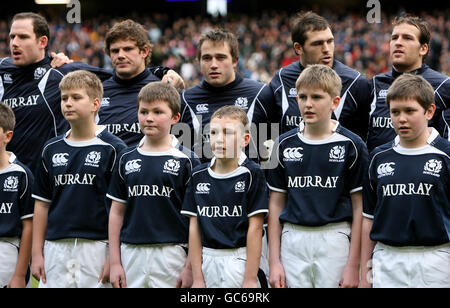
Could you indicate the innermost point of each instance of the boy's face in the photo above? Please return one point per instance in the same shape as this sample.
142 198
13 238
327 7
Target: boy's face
406 52
227 137
318 48
316 105
410 119
77 105
127 59
217 64
156 118
25 47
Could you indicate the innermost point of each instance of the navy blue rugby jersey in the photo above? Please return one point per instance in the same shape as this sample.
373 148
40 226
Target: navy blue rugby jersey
200 102
16 203
381 129
318 176
33 93
119 106
407 193
152 185
223 203
74 178
353 110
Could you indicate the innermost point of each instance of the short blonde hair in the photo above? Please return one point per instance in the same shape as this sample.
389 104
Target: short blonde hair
7 118
233 112
321 77
83 80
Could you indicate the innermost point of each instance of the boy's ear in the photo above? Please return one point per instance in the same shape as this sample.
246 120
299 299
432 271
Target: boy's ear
9 135
97 104
176 118
336 102
429 113
246 139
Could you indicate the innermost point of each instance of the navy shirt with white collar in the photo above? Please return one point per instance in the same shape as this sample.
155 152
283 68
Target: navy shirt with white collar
318 176
223 203
16 203
73 178
152 185
407 193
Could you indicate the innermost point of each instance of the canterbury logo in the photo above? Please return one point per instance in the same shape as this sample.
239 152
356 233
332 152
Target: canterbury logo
383 94
293 154
60 159
293 92
203 188
202 108
385 169
133 166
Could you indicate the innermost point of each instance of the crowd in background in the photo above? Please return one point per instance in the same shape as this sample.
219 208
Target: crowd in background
265 41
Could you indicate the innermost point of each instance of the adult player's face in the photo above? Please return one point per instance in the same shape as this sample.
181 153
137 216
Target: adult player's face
227 137
156 118
216 63
127 59
25 47
410 121
316 105
77 106
318 48
406 52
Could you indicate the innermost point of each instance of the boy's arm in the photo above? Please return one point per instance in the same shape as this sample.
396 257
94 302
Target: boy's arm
195 252
367 247
350 276
254 246
277 202
23 260
40 219
117 276
185 279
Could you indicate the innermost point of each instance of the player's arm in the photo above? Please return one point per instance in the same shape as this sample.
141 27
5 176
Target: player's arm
185 280
40 219
174 79
254 246
277 202
350 276
18 279
195 253
117 274
367 247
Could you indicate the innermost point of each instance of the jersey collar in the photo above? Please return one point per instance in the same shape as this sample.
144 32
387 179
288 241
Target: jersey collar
418 71
434 134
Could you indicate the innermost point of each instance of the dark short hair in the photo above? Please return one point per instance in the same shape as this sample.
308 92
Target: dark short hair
129 30
7 118
161 91
421 24
409 86
304 22
220 35
40 25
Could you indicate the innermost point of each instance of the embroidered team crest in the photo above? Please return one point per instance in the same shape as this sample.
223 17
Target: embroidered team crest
242 102
133 166
386 169
337 154
172 166
240 186
39 72
11 184
60 159
433 167
93 159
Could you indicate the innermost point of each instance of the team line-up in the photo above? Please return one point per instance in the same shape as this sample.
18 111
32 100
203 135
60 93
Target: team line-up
318 179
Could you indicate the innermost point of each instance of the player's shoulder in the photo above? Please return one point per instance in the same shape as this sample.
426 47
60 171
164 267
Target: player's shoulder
200 169
289 135
347 73
6 64
436 79
105 136
441 144
382 150
346 133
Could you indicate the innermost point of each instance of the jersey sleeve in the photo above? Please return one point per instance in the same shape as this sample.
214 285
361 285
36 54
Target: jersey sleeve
358 167
369 192
42 188
361 93
188 208
258 195
26 201
276 177
117 190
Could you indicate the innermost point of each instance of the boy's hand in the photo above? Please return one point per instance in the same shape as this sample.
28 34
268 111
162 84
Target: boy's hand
277 277
185 280
117 276
200 284
17 282
250 284
38 268
104 275
350 277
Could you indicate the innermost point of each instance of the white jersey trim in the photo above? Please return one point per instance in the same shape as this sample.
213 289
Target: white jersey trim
41 198
116 199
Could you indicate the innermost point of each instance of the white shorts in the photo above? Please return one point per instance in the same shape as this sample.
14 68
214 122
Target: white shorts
153 266
74 263
411 267
315 257
9 252
225 268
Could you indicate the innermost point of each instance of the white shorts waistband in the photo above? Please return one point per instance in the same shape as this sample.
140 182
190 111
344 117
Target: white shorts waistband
235 252
329 227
